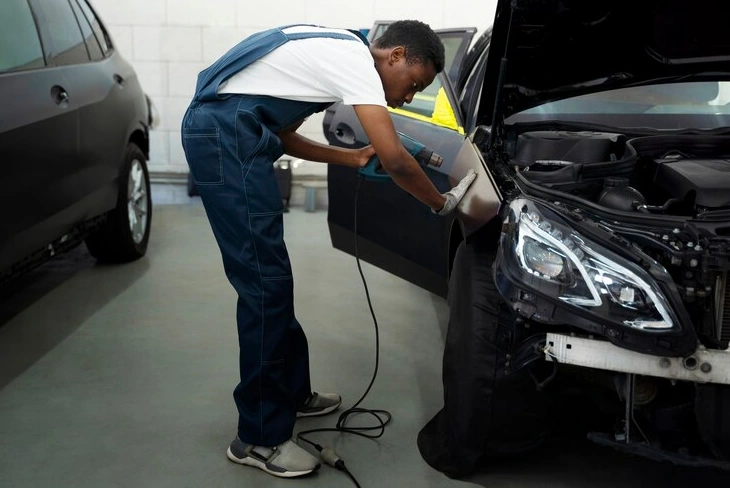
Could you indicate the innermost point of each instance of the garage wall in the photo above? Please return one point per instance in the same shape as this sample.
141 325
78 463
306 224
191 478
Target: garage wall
170 41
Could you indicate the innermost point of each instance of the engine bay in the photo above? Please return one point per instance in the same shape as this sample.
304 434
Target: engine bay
668 175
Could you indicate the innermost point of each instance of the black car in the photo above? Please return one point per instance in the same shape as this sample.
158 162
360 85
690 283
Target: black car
597 234
74 138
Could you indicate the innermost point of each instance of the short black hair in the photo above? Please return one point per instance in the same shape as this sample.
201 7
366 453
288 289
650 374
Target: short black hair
420 41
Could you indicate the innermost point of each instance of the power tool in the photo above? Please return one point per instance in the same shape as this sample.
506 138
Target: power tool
373 170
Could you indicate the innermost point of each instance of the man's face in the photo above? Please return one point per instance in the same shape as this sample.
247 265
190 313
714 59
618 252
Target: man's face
401 81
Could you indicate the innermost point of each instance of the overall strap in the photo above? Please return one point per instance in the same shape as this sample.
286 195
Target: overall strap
331 35
250 50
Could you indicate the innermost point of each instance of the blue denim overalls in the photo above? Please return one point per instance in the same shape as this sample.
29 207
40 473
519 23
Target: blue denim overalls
231 143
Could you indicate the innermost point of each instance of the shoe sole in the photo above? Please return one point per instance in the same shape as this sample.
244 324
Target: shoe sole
324 411
249 461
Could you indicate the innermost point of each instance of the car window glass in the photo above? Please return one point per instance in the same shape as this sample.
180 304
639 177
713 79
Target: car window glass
20 47
452 44
432 106
470 97
378 31
689 98
689 105
91 42
60 32
101 35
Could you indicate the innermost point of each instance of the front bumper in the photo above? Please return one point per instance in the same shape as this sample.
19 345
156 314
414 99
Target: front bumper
703 366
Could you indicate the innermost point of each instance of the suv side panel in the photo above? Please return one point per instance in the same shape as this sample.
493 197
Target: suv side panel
108 86
66 122
38 137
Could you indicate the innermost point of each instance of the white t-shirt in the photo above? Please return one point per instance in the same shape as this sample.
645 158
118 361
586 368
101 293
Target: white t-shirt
317 69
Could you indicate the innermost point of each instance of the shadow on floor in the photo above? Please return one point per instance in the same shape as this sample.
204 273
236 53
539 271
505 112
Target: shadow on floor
40 309
576 463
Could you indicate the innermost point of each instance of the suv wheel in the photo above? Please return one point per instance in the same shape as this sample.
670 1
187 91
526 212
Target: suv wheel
124 235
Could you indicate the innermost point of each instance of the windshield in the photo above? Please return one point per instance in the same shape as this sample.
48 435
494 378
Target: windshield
698 105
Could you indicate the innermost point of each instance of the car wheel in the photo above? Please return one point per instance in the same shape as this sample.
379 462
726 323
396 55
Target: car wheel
488 338
488 408
124 235
192 187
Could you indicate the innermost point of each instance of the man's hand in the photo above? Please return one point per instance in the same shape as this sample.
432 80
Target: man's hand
454 196
363 155
396 161
298 146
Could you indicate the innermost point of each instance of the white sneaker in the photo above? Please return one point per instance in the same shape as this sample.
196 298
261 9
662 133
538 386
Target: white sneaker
286 460
319 404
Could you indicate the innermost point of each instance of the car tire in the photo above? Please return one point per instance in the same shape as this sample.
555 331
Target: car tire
488 409
192 187
124 235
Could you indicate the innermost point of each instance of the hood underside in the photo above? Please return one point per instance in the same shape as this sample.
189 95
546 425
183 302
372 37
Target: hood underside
547 50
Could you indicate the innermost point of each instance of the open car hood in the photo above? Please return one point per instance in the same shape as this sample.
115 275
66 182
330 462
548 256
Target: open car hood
547 50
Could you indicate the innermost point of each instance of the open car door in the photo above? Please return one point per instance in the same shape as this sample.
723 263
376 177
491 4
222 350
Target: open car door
395 231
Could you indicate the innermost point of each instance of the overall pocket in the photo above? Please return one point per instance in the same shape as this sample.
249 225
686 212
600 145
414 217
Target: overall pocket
202 148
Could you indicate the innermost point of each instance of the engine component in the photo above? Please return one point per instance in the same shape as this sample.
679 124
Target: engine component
703 182
563 159
645 390
568 147
617 194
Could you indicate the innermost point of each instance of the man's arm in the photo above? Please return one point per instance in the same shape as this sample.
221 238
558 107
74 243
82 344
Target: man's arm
301 147
399 164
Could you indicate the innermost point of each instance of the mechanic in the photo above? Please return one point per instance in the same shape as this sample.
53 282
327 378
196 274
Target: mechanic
243 117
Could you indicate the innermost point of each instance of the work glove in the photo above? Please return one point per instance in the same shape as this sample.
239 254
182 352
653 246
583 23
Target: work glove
454 196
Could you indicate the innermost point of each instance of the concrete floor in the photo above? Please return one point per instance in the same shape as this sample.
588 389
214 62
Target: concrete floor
121 376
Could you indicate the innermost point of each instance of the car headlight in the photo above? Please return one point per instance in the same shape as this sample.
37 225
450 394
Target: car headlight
584 274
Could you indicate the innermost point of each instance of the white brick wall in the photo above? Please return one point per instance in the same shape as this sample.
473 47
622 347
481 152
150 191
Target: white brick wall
170 41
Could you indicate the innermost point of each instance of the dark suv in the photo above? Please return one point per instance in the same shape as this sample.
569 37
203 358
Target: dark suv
74 138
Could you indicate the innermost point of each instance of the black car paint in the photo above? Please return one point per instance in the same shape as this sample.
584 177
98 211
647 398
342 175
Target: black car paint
392 244
63 133
539 45
421 257
689 417
419 249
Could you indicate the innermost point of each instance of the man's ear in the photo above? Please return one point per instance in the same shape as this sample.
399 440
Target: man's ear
396 54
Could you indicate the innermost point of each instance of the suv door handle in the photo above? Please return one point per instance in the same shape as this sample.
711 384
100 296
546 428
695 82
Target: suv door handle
59 95
118 79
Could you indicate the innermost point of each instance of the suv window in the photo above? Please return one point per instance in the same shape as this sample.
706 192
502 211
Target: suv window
60 32
20 47
101 34
92 44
